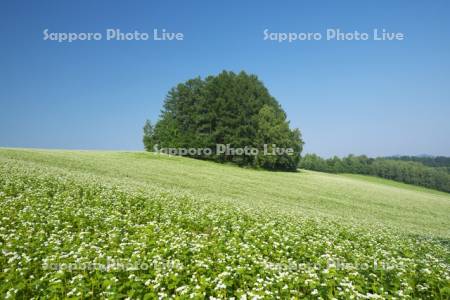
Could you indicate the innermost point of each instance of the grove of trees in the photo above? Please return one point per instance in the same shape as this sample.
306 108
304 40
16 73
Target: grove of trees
229 108
408 169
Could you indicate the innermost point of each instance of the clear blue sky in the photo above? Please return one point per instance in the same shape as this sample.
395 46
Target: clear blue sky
371 97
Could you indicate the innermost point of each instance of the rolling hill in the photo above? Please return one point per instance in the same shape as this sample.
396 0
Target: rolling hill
205 229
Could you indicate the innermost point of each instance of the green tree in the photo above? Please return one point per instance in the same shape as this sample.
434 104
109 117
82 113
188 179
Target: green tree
225 109
273 129
148 136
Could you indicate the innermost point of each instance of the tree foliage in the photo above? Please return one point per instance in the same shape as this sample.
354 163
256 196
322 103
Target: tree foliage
148 133
441 162
229 108
405 170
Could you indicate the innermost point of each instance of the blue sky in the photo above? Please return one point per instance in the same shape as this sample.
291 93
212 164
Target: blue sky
362 97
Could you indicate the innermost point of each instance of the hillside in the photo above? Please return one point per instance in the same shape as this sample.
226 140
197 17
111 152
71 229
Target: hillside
226 231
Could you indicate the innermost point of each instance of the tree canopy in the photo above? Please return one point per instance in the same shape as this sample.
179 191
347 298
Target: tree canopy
230 108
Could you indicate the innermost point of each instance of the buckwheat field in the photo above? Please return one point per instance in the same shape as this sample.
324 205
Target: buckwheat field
116 225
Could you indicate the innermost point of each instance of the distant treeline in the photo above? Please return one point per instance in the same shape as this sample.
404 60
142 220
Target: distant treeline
424 171
441 162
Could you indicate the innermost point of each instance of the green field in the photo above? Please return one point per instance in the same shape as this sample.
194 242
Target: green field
205 229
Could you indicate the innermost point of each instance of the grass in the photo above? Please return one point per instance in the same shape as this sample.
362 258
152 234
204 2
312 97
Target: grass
213 230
